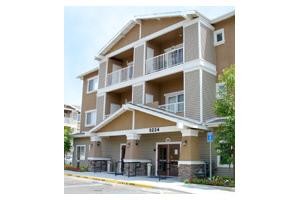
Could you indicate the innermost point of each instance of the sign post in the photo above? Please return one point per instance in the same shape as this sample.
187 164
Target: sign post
210 139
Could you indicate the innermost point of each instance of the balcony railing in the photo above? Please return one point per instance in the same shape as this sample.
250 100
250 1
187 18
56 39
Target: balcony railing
119 76
164 61
173 107
70 121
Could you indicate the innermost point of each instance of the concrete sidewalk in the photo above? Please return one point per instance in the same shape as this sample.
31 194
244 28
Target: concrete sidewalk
148 182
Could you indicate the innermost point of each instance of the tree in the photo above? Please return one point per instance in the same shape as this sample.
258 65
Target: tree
225 107
67 140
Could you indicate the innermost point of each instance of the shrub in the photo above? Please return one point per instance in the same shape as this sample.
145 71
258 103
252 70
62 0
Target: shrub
216 180
70 167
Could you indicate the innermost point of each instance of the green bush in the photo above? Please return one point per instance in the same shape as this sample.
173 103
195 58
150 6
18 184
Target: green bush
216 180
83 169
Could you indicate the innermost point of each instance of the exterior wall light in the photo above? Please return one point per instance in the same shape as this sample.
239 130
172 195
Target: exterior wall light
98 143
184 143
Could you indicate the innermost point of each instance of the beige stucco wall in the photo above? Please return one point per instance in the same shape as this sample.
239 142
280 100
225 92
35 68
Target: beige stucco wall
88 101
225 53
188 152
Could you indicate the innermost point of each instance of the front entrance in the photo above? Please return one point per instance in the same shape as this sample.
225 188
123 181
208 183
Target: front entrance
122 156
167 159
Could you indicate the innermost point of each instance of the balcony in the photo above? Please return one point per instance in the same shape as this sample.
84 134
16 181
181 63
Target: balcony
120 75
177 107
164 61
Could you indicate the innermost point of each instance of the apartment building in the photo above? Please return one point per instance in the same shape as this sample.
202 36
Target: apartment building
72 117
147 107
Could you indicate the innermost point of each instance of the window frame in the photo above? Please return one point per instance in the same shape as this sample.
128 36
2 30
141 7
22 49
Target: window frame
218 89
88 84
85 118
175 94
216 42
219 160
81 145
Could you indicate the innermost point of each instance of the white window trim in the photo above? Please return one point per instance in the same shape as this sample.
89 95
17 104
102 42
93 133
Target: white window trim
217 89
88 82
77 151
85 118
172 94
222 165
215 37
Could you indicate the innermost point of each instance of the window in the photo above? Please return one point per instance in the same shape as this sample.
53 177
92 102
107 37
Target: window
221 160
175 102
90 118
80 152
92 84
219 37
220 89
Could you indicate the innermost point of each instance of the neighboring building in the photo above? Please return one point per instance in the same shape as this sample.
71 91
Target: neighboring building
150 101
72 117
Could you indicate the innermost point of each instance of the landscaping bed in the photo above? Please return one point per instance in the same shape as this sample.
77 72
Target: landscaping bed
216 180
70 167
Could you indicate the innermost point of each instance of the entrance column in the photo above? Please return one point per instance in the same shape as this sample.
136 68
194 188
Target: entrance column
189 161
94 151
133 161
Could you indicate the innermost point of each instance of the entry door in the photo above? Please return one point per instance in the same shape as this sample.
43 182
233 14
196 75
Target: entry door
123 149
167 159
173 159
162 161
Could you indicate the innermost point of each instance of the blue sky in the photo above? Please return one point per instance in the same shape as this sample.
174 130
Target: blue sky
88 29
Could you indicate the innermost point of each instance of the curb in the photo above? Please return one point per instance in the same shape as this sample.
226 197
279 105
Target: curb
114 181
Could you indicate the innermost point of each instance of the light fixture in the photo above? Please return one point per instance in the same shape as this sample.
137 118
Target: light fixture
98 143
184 143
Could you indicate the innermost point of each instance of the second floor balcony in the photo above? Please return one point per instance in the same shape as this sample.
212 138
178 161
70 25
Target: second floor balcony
120 75
164 61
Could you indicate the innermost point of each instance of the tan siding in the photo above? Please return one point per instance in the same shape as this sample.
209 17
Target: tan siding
130 37
138 68
143 120
209 95
191 42
88 101
123 122
192 94
137 94
207 44
150 26
225 53
101 76
81 141
100 107
110 146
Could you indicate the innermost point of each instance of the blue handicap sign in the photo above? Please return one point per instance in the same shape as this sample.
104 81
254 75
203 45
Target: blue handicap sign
210 136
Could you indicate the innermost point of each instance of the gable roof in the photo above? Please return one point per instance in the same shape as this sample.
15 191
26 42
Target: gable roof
181 121
136 20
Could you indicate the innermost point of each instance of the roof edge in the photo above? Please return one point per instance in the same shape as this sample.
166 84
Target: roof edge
223 17
80 76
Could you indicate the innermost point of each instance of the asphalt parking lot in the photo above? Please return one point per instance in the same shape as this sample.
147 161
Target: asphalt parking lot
75 185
